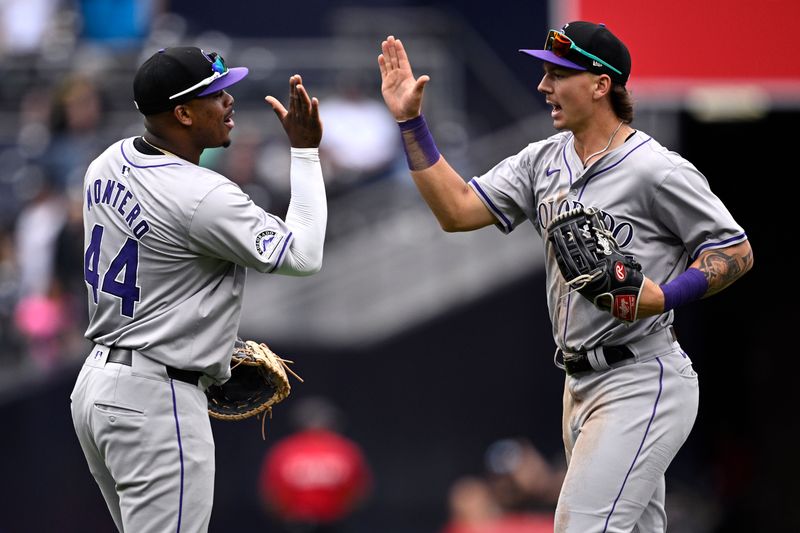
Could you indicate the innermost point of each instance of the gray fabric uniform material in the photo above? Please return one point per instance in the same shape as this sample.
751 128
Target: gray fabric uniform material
619 450
623 423
659 207
199 232
147 440
168 244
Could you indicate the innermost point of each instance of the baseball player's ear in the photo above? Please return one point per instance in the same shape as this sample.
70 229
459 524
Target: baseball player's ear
183 114
602 86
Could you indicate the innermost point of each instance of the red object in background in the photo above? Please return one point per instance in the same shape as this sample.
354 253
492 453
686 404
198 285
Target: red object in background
678 45
315 476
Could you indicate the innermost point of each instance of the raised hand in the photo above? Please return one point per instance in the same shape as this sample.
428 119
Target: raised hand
401 91
301 121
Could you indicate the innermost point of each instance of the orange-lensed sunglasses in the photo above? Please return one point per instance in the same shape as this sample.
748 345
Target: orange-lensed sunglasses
558 43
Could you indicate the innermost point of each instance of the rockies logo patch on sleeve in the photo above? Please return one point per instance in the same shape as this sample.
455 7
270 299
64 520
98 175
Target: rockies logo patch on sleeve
266 242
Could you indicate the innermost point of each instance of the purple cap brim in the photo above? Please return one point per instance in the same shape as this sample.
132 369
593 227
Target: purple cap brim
550 57
235 74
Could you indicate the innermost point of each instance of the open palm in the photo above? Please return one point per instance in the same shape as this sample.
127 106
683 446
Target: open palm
401 91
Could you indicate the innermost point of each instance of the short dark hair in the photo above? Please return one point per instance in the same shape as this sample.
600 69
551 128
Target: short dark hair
621 102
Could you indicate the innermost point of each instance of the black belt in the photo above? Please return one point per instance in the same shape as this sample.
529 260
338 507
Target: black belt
125 357
612 354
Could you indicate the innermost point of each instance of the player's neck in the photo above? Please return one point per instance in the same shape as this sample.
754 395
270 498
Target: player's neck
594 142
168 148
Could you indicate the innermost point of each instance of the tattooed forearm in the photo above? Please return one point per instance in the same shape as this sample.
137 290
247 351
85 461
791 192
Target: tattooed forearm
723 267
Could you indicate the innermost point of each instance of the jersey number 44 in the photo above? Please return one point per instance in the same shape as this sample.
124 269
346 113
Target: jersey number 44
124 265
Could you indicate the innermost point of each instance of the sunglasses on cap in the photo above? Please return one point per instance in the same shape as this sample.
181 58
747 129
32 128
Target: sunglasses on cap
558 43
218 69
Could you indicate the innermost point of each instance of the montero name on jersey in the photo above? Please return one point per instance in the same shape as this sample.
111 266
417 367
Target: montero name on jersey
115 194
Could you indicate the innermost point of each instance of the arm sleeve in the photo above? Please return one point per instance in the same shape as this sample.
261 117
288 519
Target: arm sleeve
227 224
307 215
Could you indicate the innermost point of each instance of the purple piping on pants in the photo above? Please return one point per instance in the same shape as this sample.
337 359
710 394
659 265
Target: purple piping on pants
646 431
180 450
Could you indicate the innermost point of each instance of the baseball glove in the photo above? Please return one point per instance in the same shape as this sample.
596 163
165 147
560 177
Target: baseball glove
592 264
258 381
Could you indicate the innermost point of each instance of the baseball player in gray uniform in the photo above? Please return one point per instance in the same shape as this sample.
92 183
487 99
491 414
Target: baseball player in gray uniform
167 246
630 395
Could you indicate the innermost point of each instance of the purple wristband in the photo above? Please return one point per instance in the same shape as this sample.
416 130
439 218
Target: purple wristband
688 287
421 151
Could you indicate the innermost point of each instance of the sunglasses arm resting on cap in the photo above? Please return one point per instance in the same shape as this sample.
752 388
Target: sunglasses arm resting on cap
560 45
219 68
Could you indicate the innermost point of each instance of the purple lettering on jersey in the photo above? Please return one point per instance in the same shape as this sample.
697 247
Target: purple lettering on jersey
108 192
97 187
135 210
141 228
120 188
125 199
98 194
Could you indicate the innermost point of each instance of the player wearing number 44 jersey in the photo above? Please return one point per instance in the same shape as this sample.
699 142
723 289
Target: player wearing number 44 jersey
167 247
597 189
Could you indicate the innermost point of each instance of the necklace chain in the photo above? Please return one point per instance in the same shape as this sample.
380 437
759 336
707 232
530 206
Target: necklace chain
165 152
610 140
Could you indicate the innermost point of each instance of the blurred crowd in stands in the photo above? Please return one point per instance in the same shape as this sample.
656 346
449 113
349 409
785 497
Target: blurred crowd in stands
516 493
66 68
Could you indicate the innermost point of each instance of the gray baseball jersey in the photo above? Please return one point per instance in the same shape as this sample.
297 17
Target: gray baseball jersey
167 245
658 206
621 428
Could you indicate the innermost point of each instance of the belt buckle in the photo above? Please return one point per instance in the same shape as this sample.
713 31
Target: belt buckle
593 359
571 361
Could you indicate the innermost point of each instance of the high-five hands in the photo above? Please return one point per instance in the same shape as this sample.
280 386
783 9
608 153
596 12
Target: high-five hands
401 91
301 121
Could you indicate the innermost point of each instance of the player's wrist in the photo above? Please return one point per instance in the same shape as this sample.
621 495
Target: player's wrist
651 299
410 121
305 153
420 148
691 285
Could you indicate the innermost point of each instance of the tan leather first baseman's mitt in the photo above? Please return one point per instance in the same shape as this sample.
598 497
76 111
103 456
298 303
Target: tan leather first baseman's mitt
592 264
258 381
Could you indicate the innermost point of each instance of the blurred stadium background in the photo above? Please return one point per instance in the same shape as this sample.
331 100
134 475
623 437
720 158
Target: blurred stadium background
433 346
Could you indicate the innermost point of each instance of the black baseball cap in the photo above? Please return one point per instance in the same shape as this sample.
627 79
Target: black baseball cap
582 45
173 76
